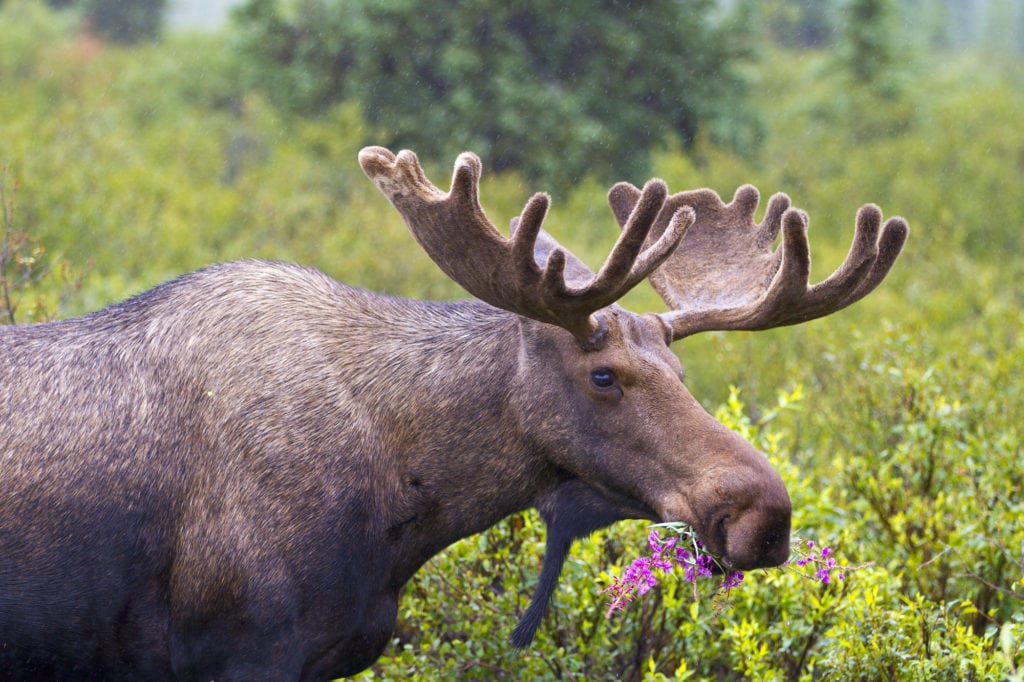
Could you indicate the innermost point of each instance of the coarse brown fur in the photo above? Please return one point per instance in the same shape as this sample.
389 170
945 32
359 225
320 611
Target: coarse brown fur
244 437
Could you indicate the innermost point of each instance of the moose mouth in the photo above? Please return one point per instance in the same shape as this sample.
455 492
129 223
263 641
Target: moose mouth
712 541
740 540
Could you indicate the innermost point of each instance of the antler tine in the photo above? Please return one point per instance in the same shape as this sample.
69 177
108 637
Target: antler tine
724 274
527 273
870 258
451 227
789 299
628 263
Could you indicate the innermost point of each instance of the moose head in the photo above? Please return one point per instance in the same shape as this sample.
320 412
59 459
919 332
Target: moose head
597 388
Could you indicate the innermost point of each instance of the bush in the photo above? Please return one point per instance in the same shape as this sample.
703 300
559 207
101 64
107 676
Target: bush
32 285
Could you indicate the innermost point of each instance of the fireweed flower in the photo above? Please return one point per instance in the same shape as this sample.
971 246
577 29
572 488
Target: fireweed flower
822 561
732 579
683 553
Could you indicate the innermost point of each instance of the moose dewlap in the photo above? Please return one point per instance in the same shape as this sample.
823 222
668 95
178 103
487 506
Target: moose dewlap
232 475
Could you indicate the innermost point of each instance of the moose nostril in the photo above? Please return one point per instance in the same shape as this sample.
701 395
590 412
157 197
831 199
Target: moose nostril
758 537
776 547
718 531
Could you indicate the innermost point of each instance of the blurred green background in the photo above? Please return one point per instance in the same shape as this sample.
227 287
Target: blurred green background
142 139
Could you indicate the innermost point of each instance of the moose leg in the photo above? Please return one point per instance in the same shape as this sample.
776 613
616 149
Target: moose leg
574 510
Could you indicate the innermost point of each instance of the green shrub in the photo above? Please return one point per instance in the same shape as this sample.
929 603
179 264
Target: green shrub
33 286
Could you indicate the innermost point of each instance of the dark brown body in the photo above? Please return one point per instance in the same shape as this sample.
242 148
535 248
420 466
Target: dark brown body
211 481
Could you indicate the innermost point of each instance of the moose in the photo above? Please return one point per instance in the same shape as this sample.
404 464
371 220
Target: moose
232 475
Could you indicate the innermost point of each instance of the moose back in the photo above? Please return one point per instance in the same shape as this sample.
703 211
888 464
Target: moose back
231 476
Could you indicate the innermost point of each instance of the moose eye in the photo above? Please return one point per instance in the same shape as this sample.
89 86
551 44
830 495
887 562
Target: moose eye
602 378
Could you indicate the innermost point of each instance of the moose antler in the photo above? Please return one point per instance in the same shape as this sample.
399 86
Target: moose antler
725 275
455 233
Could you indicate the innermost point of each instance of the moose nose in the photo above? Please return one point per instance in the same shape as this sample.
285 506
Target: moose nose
748 517
758 536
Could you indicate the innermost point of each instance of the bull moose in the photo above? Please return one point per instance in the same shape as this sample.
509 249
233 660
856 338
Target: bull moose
231 476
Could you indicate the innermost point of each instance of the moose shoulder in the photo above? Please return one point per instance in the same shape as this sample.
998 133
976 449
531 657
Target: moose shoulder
232 475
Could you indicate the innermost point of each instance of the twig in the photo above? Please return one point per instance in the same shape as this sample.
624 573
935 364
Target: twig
5 249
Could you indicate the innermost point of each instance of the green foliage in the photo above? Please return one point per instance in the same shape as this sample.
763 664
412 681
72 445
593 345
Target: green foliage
29 29
125 21
298 53
869 47
555 89
801 23
30 284
935 468
122 171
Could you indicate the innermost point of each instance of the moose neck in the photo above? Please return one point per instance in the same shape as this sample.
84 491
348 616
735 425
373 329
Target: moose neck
457 462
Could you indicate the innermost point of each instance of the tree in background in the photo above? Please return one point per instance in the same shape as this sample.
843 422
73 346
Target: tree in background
870 47
873 67
120 21
557 89
126 21
801 23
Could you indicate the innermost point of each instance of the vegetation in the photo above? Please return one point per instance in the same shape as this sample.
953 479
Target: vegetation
570 87
896 424
120 21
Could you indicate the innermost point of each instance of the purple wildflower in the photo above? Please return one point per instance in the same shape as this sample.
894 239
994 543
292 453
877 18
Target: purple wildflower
639 575
685 551
732 579
704 565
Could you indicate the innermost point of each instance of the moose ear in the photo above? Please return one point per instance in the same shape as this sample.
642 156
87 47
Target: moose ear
577 274
574 510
